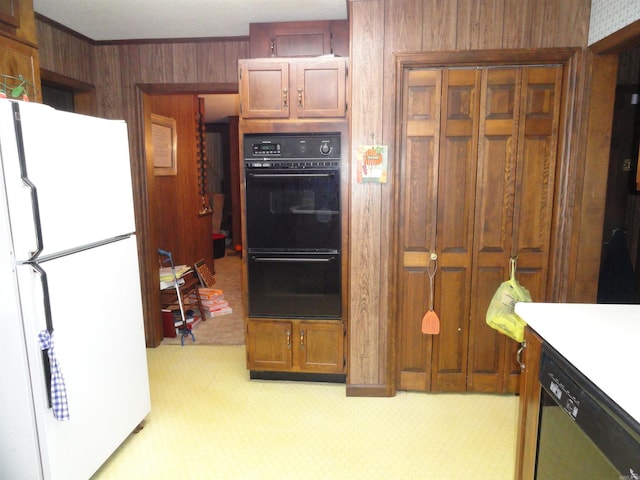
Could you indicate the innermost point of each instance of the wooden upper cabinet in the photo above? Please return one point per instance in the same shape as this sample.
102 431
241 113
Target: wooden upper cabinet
9 15
299 39
19 61
264 89
320 88
294 88
18 52
18 22
302 42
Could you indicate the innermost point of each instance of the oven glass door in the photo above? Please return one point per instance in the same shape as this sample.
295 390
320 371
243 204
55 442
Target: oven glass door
294 285
292 210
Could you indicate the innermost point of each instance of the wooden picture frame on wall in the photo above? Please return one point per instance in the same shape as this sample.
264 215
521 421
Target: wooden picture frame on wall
164 139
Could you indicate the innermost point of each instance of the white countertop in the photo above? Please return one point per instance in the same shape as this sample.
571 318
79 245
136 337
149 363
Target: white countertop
600 340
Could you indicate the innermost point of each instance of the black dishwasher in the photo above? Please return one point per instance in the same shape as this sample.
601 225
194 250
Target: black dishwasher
583 434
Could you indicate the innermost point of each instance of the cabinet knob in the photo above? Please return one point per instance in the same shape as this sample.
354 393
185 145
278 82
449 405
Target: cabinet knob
301 339
289 339
285 98
300 98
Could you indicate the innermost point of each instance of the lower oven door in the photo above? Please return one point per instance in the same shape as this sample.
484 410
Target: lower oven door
294 285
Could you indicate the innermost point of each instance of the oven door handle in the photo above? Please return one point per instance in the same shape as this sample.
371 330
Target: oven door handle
290 175
292 260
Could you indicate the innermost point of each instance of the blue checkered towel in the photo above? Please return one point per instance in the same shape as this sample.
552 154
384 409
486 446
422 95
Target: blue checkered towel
58 388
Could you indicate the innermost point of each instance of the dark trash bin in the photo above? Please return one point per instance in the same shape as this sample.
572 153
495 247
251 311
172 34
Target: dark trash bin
219 241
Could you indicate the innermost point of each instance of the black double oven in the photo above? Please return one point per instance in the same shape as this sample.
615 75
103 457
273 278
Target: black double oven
293 225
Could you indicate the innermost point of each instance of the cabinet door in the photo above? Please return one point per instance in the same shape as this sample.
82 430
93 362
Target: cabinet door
9 15
320 347
264 89
320 89
17 59
300 40
269 345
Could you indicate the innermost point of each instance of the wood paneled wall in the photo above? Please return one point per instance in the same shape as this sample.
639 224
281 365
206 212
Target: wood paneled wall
176 224
64 53
379 29
119 73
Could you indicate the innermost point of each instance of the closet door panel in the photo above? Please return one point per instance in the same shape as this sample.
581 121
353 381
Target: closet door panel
486 346
536 173
493 228
476 185
496 161
450 346
419 205
414 348
456 195
418 200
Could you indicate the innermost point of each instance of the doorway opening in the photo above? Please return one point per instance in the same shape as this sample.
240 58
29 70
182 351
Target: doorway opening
68 94
58 97
619 280
221 136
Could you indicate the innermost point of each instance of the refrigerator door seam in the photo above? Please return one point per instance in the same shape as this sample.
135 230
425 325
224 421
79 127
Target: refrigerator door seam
71 251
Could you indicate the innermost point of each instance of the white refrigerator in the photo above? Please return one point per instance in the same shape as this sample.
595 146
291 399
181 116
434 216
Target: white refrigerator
74 381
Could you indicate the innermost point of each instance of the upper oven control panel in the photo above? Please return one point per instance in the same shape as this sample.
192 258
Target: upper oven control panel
292 146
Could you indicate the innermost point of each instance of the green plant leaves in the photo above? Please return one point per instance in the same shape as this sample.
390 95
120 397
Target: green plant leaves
17 91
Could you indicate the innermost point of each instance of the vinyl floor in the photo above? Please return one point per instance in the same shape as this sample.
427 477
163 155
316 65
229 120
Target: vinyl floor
210 421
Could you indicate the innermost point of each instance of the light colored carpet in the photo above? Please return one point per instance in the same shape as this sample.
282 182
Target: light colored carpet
209 421
227 329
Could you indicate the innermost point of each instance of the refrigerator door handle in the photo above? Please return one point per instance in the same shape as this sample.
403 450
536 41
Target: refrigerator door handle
35 209
49 321
45 294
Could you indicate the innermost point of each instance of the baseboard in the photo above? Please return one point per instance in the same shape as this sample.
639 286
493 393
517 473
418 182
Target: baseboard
297 376
368 391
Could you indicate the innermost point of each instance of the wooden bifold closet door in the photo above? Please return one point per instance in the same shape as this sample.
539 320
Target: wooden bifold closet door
477 168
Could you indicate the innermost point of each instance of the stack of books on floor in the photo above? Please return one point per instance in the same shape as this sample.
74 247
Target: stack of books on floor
172 320
213 302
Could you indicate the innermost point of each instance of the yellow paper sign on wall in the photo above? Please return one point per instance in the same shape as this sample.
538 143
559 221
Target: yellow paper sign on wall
371 162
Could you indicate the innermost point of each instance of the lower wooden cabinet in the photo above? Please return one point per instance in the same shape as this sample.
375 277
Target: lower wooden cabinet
529 411
309 346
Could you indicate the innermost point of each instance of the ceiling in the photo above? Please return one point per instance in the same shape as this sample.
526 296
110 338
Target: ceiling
109 20
104 20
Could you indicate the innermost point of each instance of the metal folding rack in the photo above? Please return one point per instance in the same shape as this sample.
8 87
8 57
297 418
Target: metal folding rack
185 329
